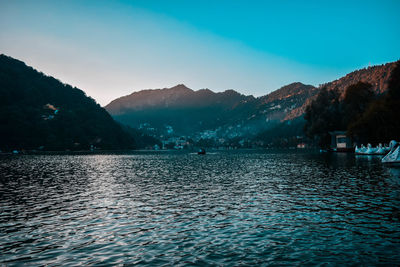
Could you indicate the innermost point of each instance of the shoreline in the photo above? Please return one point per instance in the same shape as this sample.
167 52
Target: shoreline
129 151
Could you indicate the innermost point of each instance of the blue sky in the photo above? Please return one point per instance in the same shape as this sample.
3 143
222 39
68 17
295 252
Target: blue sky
111 48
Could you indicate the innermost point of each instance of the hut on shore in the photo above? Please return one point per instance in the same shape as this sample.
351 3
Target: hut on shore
340 142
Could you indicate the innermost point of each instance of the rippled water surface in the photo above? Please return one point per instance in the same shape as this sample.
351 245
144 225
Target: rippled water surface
226 208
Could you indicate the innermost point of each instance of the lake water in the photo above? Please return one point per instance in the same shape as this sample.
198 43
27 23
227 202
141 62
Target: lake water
225 208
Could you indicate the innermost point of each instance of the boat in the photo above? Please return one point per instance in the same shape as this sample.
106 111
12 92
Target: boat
380 150
201 151
370 150
361 150
387 148
393 157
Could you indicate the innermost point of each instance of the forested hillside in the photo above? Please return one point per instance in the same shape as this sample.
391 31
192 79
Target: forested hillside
40 112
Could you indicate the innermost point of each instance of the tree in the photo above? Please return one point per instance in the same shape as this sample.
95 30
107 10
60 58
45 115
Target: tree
356 100
323 115
39 111
380 122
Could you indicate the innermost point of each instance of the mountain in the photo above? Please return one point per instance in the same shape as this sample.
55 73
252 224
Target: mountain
178 96
277 104
205 114
40 112
189 112
184 109
377 76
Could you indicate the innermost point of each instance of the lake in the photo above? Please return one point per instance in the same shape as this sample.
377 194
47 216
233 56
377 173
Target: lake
224 208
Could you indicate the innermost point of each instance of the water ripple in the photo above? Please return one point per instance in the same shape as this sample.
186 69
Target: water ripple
236 208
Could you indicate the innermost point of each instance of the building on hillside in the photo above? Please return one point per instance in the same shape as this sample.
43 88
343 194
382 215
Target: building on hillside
301 145
340 142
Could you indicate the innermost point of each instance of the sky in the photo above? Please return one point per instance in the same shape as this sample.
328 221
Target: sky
113 48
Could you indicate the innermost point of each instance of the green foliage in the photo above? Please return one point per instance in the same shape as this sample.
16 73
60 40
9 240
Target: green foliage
26 122
356 100
283 135
366 117
380 123
206 143
142 140
323 115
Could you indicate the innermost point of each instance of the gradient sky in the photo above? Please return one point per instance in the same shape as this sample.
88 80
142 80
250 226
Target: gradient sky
112 48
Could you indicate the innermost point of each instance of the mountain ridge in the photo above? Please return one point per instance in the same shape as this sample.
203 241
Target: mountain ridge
378 76
230 109
59 116
204 109
176 96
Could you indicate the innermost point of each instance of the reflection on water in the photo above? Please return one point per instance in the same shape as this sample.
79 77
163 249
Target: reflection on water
240 208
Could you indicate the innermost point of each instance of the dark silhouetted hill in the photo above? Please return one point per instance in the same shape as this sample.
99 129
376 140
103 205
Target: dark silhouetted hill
40 112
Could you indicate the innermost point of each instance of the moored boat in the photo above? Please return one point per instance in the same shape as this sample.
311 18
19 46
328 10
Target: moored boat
361 150
369 150
393 157
380 150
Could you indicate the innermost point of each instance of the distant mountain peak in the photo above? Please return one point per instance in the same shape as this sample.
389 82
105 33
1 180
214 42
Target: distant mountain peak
231 92
180 87
178 96
378 76
290 90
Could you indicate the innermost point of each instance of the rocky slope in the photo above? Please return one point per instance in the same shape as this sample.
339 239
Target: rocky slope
188 111
377 76
286 99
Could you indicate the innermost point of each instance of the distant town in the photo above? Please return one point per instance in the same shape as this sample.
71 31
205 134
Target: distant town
230 137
